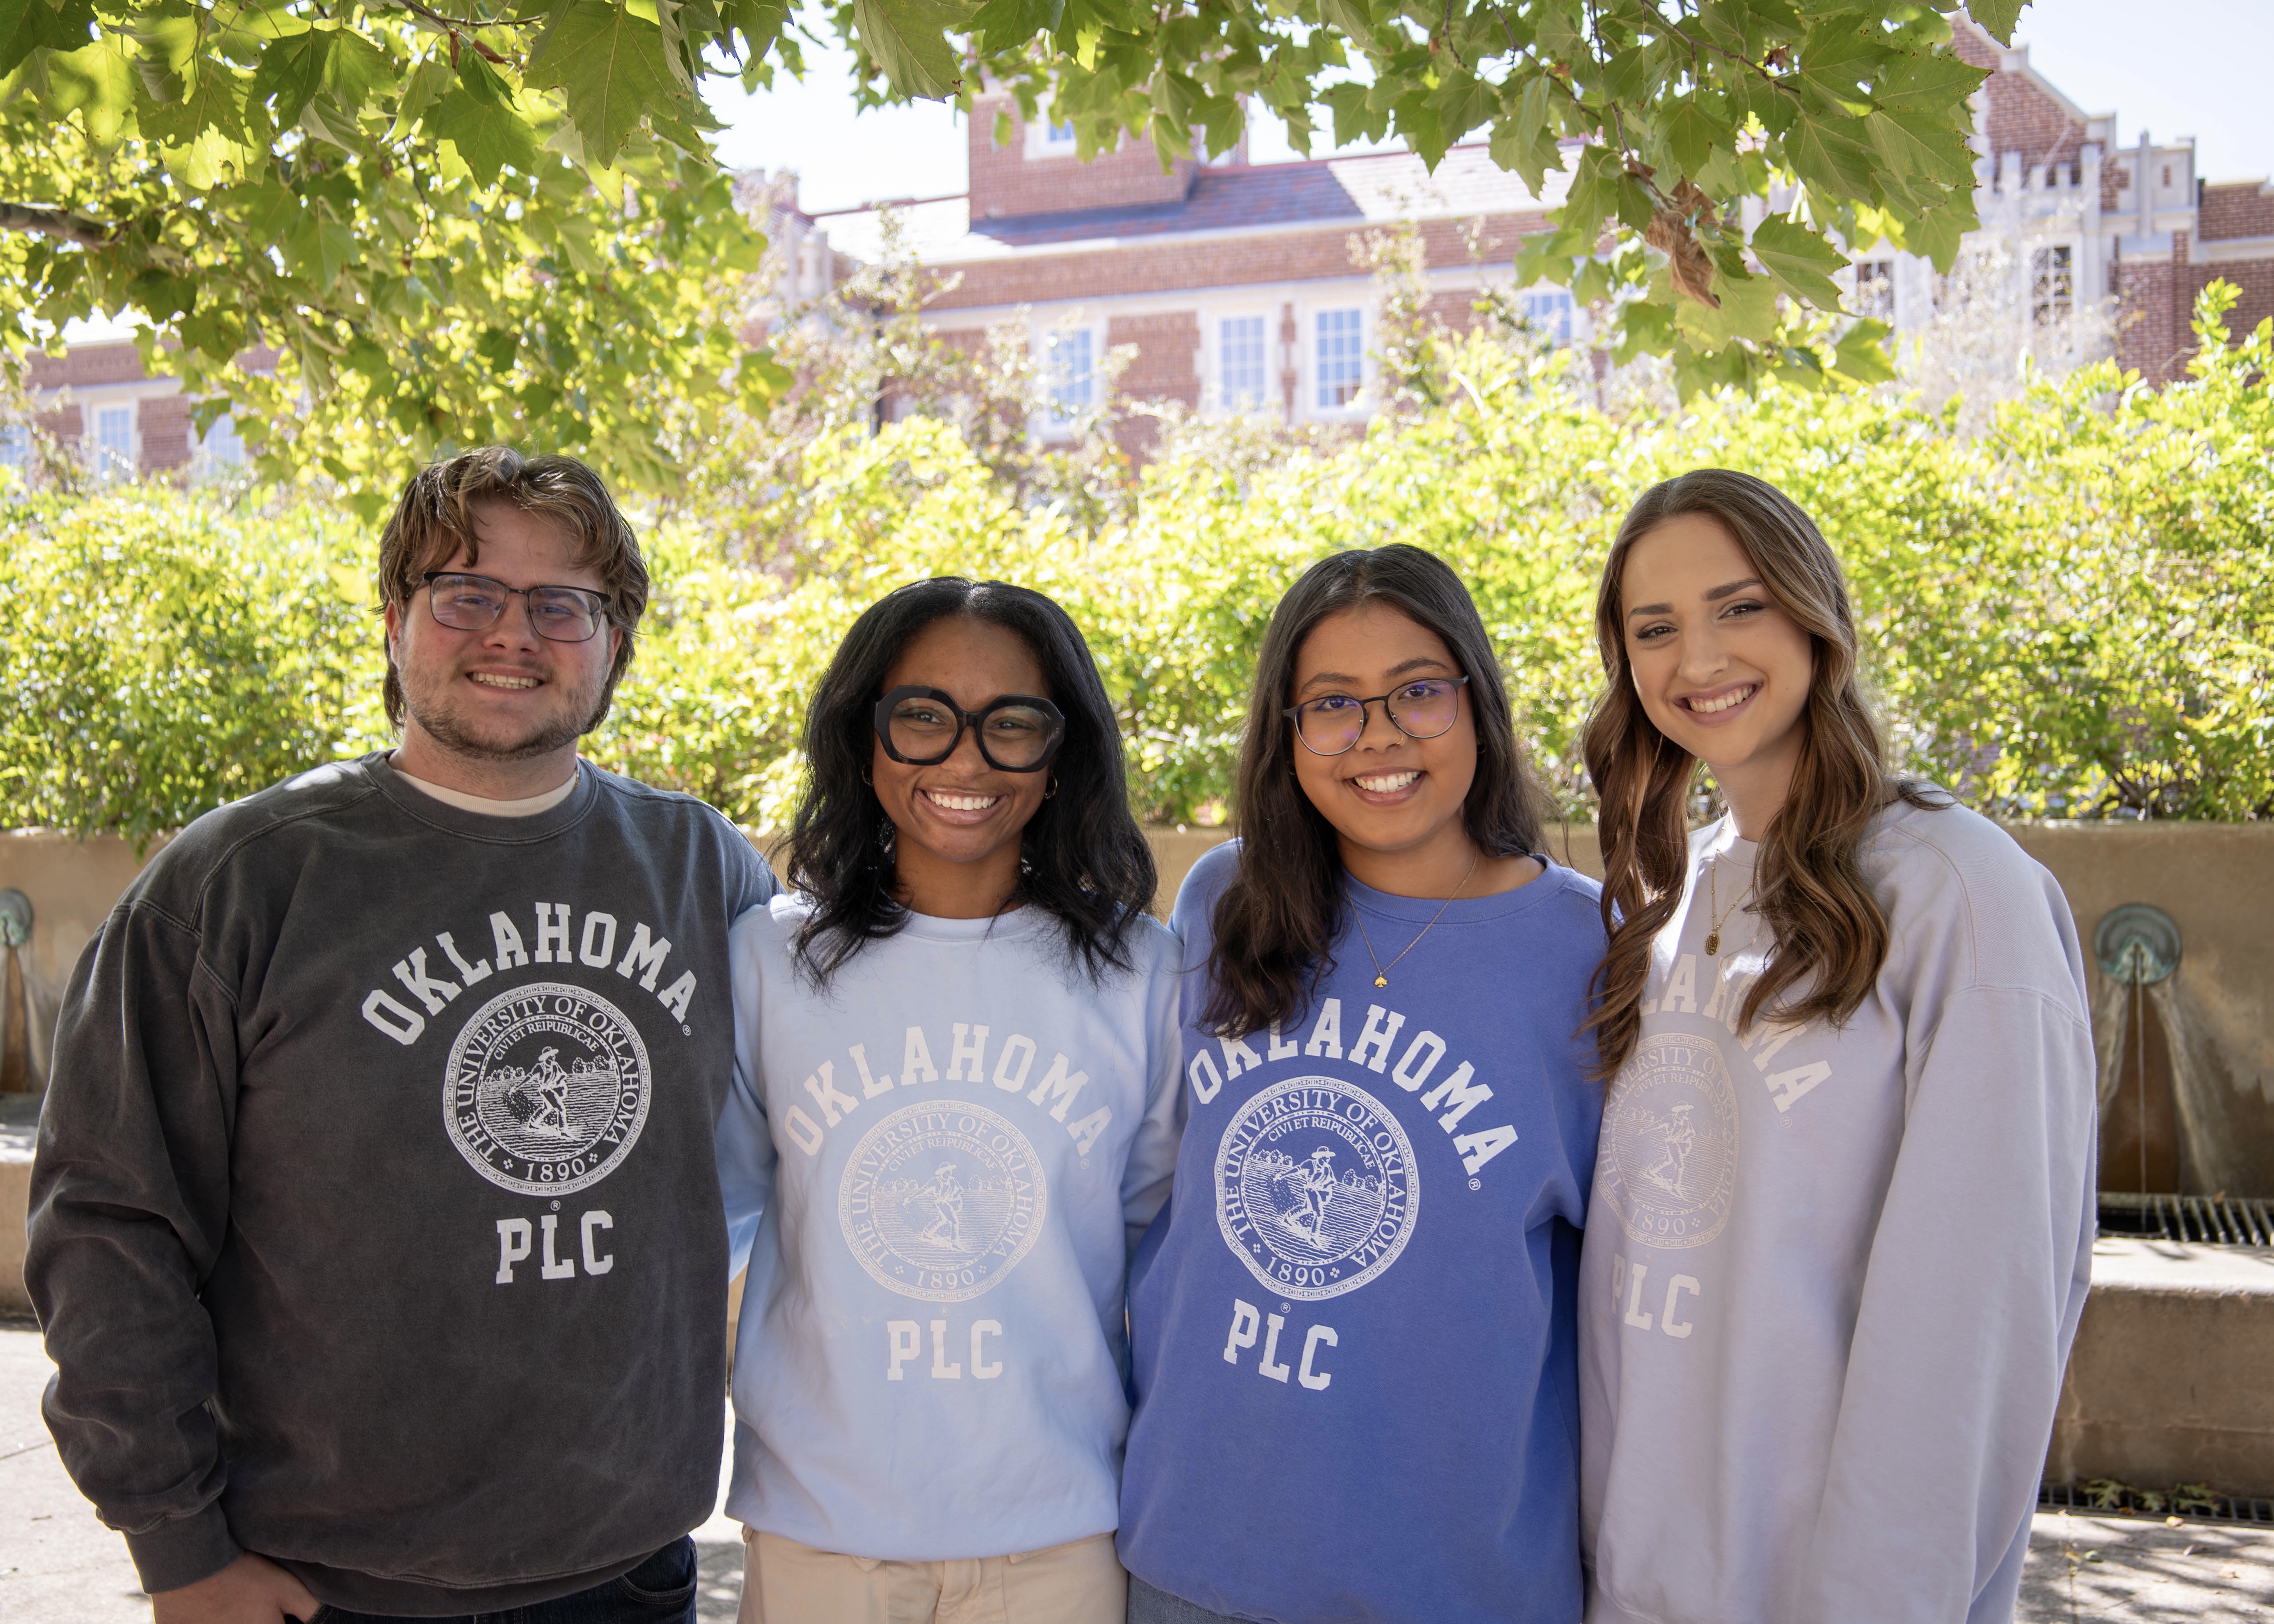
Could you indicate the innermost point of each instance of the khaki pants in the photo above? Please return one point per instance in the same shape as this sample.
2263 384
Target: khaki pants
1078 1583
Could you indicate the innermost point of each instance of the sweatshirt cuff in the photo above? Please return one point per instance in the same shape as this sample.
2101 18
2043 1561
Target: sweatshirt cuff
182 1549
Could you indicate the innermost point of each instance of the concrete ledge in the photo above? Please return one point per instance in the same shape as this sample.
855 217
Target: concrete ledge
2168 1383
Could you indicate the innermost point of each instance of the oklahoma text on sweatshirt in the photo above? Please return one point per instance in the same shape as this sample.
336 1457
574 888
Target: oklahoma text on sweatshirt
936 1167
1354 1325
373 1221
1832 1275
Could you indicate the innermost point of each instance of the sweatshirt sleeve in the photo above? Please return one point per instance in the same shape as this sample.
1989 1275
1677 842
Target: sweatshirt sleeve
1153 1155
129 1210
745 1139
1971 1301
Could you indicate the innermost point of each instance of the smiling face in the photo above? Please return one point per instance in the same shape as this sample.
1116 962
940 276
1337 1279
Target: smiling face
1389 794
1719 665
505 695
958 822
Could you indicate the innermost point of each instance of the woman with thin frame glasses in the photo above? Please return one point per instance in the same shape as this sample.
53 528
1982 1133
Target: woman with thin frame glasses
955 1069
1353 1325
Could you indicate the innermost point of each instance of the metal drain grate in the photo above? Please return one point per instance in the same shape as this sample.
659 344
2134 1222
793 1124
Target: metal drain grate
2206 1220
2193 1503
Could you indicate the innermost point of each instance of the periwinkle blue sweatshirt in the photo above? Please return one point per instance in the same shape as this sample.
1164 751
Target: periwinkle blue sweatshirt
1354 1325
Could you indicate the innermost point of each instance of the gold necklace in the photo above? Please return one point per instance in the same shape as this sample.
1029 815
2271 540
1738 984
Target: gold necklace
1380 970
1713 908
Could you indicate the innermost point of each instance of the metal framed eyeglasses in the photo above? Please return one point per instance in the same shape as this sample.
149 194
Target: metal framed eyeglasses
474 603
1334 723
1017 733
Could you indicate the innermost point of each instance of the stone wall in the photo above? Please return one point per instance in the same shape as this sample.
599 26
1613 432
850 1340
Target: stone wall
2216 880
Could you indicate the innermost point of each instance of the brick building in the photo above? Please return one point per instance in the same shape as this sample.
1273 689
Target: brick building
1236 283
98 398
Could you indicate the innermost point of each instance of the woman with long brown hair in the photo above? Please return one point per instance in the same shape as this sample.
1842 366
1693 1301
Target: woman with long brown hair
1354 1329
1843 1204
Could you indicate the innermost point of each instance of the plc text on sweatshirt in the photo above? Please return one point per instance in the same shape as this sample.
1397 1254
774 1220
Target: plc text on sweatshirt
936 1166
1832 1275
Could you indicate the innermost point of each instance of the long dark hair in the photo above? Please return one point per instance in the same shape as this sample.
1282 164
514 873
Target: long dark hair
1286 904
1809 883
1082 859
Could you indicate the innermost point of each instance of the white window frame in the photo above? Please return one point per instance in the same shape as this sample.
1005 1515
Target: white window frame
1047 138
1050 422
1360 405
1213 395
112 462
16 447
1573 315
1887 279
2061 308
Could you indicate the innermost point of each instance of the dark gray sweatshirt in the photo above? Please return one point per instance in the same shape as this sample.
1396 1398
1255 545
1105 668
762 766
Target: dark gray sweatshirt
375 1225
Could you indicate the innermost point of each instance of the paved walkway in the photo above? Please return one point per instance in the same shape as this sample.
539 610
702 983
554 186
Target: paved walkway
57 1564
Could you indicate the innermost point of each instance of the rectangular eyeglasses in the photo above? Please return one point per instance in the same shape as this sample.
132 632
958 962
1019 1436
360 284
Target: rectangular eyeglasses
474 603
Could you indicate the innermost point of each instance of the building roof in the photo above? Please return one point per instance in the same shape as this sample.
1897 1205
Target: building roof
1234 199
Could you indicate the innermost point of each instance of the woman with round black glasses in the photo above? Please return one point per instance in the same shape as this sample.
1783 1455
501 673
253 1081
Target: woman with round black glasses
1354 1326
951 1113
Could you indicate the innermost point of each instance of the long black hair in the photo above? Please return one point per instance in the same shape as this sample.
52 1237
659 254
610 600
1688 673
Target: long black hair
1082 858
1286 903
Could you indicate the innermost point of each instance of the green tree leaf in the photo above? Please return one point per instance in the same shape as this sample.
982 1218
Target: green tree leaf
27 25
490 135
610 65
908 39
1825 153
291 73
214 101
1997 17
1802 262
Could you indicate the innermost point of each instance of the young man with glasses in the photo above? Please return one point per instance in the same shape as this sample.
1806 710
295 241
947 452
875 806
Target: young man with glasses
374 1232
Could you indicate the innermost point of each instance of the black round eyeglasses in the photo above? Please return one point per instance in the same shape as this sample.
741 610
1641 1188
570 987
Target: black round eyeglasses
1017 733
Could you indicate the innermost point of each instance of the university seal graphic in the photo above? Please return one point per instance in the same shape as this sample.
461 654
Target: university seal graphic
940 1201
546 1089
1669 1146
1315 1189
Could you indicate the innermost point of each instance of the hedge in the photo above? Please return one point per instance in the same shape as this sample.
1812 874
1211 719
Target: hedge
2070 614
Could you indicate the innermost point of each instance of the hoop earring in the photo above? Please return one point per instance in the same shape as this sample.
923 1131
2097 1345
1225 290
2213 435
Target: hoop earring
1051 788
865 778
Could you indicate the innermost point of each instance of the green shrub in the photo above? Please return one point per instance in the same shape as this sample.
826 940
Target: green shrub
2071 614
163 652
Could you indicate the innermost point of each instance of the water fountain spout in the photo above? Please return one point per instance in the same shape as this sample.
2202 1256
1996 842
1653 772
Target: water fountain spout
2138 945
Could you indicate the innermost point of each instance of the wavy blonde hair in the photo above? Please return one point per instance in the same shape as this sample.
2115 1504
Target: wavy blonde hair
1830 932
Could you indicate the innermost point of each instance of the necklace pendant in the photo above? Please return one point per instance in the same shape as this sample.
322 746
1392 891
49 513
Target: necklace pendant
1713 943
1382 980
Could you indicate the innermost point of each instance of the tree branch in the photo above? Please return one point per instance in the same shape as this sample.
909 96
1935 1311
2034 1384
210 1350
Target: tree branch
52 222
457 27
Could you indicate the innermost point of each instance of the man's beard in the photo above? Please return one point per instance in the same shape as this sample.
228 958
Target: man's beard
441 722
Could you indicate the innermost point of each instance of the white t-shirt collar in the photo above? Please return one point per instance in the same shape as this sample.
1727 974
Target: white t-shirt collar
529 807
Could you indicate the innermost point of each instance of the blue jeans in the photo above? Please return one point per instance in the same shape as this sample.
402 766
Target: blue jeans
659 1591
1150 1604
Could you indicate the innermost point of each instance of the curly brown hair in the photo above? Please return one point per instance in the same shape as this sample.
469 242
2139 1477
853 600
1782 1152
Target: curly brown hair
435 519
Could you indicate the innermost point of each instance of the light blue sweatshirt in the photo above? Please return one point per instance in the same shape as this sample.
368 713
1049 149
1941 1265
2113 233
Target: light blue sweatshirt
936 1170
